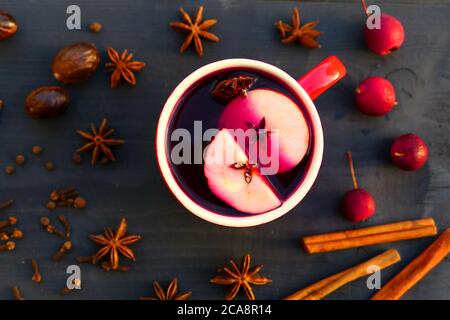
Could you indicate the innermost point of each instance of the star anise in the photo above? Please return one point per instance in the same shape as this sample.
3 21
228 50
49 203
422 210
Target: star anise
122 66
170 294
304 35
240 277
230 88
113 243
100 141
195 30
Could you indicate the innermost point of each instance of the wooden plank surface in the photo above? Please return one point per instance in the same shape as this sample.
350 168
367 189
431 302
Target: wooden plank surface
175 243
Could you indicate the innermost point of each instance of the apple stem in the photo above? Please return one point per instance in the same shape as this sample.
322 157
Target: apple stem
352 169
365 7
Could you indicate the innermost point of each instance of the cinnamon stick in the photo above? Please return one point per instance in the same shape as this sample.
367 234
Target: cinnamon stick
326 286
393 232
416 270
6 204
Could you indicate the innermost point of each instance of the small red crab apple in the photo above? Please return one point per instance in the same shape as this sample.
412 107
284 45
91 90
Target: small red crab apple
375 96
409 152
358 204
388 38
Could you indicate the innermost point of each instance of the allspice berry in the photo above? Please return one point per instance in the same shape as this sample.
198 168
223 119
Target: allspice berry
79 203
95 27
76 158
20 159
75 63
50 166
36 150
1 104
9 170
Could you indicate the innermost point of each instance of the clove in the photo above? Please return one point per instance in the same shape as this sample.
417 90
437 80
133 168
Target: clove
8 246
9 222
67 197
14 234
37 277
6 204
67 246
16 294
66 225
107 267
84 259
47 225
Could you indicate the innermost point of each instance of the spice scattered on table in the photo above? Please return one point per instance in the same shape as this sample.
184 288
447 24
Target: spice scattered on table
95 27
66 197
326 286
195 30
8 25
393 232
77 158
20 159
37 276
8 246
9 170
358 204
7 234
36 150
123 67
47 102
2 104
99 142
65 247
416 270
50 228
50 166
113 244
76 63
16 294
170 294
305 35
242 277
6 204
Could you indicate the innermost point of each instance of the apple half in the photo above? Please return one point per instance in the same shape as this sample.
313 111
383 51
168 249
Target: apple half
233 180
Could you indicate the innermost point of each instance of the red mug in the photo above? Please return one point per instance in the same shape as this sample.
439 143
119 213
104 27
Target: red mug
306 89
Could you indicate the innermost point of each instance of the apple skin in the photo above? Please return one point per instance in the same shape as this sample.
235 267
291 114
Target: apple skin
279 113
409 152
388 38
358 205
375 96
229 183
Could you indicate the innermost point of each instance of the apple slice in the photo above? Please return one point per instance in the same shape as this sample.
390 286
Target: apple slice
233 180
277 112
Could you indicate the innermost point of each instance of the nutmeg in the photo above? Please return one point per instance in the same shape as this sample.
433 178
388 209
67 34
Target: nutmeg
8 25
75 63
47 102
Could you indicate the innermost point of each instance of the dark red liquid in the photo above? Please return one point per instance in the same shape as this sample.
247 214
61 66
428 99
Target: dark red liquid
197 104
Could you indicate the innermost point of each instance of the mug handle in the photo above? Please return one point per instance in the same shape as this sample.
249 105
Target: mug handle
322 76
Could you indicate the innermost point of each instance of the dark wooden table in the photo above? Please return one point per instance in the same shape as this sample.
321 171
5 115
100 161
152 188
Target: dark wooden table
174 242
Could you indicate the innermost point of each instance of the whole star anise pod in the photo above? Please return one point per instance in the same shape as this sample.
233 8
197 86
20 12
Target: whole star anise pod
240 277
100 141
114 243
304 35
122 66
170 294
195 30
